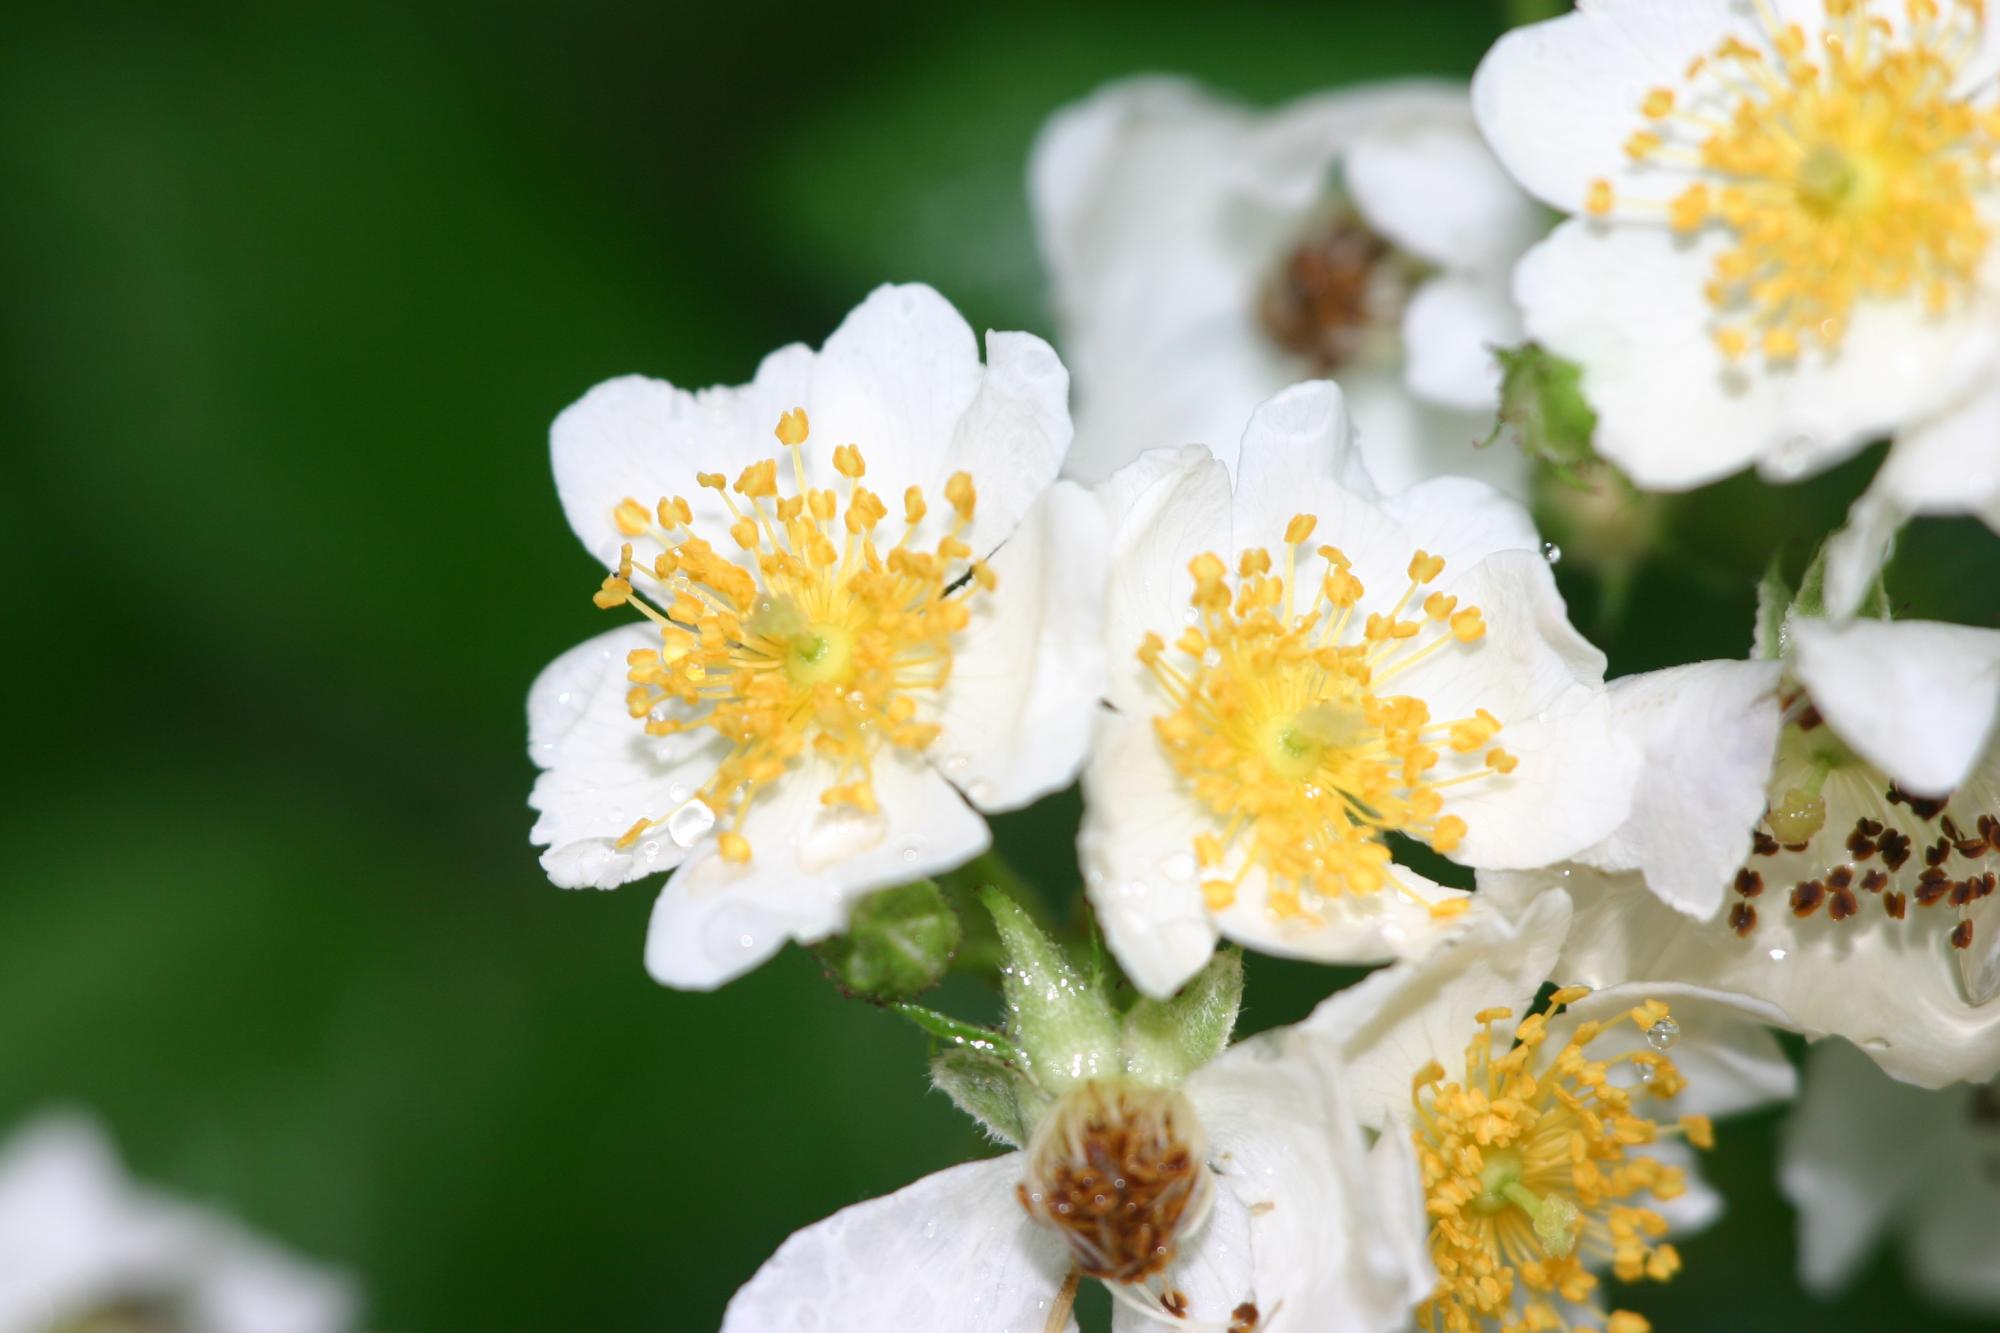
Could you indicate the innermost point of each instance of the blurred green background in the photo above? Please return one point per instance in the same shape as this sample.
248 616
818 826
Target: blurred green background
295 292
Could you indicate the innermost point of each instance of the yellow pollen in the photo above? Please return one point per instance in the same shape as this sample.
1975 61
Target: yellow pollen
1529 1173
1284 720
1845 165
813 641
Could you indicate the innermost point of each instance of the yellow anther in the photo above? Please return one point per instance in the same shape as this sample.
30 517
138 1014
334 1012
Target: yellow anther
613 592
1690 208
1500 761
1253 562
1300 529
1438 606
1450 831
847 461
1218 894
631 517
792 427
713 481
1642 145
1732 343
1468 625
1569 995
1207 567
1448 909
744 531
958 490
913 506
734 847
1659 103
1599 200
1699 1129
759 481
1424 567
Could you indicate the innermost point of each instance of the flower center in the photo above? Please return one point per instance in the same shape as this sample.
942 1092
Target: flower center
1845 164
1119 1168
1340 289
1839 832
813 639
1529 1170
1283 722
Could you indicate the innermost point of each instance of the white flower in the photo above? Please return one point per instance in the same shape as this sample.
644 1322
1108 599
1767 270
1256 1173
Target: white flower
887 613
1559 1151
1788 212
1866 907
1867 1158
80 1243
1374 667
1946 466
1295 1236
1204 255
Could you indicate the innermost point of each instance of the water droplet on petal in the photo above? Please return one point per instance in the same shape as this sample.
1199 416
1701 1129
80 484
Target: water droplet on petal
1178 866
1663 1034
689 822
1552 553
1645 1073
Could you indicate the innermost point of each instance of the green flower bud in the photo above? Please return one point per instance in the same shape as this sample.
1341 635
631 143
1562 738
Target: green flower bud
899 943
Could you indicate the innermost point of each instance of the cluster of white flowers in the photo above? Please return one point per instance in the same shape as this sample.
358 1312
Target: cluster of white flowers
1289 623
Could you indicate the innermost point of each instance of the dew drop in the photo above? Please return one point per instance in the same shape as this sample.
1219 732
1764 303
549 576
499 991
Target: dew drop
1777 955
1178 866
1552 553
957 763
981 791
689 822
660 712
1645 1073
1663 1034
908 851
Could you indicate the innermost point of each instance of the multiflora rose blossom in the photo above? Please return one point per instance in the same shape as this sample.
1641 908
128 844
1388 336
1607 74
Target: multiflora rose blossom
1868 1160
1216 1190
1552 1145
1785 214
1864 902
1203 255
1301 669
858 608
82 1247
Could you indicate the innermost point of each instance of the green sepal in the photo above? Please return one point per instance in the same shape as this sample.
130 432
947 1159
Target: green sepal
957 1032
1002 1098
1774 602
899 943
1166 1040
1063 1021
1542 404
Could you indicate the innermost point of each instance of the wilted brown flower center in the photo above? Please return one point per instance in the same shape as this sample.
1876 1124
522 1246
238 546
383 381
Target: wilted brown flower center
1118 1168
1342 287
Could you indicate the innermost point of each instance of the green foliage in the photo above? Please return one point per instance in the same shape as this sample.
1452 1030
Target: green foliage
1166 1040
1060 1018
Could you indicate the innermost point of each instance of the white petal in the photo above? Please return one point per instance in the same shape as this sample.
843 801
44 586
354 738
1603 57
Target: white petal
1725 1047
1915 698
1156 530
953 1251
604 773
1013 437
1857 552
1327 1251
1890 987
1707 733
1950 464
1451 331
1627 304
252 1287
1557 100
1949 1247
1464 521
809 864
1298 443
1853 1153
896 377
1393 1023
1429 184
1405 439
1028 670
1542 679
645 439
1136 847
1371 929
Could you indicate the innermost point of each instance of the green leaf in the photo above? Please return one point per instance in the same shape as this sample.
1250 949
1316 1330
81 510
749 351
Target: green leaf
1166 1040
960 1033
1543 407
899 943
1002 1097
1774 600
1063 1021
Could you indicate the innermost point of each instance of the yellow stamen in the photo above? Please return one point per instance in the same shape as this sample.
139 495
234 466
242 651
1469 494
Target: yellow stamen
817 642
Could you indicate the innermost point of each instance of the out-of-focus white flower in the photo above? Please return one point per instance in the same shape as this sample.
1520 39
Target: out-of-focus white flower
851 631
1274 1225
1787 207
1300 668
83 1248
1866 906
1551 1146
1949 465
1203 255
1867 1158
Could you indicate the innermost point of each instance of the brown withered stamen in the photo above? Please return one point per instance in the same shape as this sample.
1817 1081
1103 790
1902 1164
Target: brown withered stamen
1244 1318
1743 919
1961 934
1339 288
1749 883
1807 895
1841 903
1923 807
1118 1168
1896 905
1875 881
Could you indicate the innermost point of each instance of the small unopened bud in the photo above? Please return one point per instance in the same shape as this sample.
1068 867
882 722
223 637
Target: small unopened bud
899 943
1542 406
